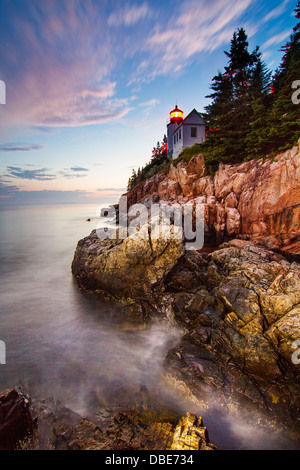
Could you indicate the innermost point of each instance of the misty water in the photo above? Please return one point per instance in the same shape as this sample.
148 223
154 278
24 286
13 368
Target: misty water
64 344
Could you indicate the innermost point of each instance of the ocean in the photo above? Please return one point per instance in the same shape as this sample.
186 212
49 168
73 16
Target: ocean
61 343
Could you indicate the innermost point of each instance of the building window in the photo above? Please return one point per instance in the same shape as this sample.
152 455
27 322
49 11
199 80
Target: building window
179 134
193 131
174 139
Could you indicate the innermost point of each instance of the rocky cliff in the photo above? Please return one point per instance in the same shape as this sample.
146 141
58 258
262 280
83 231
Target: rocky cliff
239 301
239 306
259 199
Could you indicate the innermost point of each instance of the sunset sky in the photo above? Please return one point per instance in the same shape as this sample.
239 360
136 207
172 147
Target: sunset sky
89 84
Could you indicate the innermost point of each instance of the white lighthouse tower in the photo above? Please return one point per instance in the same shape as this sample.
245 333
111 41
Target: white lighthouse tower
183 133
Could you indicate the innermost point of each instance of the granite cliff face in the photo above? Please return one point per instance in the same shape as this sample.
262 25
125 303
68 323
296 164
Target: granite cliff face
239 301
259 199
242 321
239 307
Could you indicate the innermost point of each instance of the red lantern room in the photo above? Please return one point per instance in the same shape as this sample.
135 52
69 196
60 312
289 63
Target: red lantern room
176 116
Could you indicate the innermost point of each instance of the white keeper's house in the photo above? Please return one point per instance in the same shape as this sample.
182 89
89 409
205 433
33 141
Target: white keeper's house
183 133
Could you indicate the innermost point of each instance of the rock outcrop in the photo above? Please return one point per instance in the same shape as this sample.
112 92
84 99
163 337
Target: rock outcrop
127 268
240 308
16 423
242 322
239 302
259 199
59 428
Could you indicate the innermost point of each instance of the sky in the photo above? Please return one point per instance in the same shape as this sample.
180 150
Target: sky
90 84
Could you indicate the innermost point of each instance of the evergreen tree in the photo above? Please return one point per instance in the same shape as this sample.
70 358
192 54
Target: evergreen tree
245 70
218 112
284 121
260 80
257 140
132 181
230 112
241 62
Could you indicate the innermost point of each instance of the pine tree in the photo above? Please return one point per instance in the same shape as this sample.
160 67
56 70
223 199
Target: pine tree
132 181
260 80
240 63
217 113
260 99
284 121
230 113
244 70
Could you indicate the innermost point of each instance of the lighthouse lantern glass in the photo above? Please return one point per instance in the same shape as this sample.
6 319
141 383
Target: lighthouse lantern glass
176 114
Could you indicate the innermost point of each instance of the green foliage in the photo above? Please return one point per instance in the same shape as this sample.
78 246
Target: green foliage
243 81
187 154
157 164
251 114
245 120
285 114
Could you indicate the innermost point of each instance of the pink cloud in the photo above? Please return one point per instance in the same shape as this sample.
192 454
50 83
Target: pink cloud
130 15
200 26
60 71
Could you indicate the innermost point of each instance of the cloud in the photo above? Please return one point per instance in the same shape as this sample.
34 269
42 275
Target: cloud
20 147
78 168
63 60
277 39
110 194
72 173
197 27
70 57
45 174
42 174
130 15
276 12
150 104
7 190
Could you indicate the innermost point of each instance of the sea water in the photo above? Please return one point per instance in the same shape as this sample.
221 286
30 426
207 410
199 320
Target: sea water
64 344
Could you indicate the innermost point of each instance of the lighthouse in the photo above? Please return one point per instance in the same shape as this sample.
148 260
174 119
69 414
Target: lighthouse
176 118
183 133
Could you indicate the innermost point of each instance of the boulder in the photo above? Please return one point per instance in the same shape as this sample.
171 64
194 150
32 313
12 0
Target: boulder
127 268
16 424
